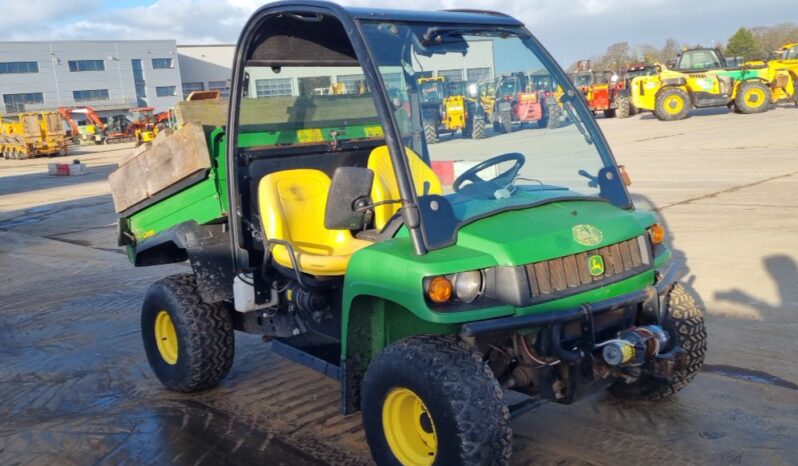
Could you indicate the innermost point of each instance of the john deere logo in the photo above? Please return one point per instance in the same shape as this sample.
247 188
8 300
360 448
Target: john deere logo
587 235
595 264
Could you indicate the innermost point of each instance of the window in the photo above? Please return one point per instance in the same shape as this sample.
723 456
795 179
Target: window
138 81
138 71
188 88
698 60
222 86
19 67
86 65
353 83
476 75
16 102
314 85
792 54
165 91
161 63
394 81
451 75
273 87
94 94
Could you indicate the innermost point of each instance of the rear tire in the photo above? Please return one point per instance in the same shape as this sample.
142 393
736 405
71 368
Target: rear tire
623 108
461 418
672 104
189 343
478 129
684 323
430 133
752 97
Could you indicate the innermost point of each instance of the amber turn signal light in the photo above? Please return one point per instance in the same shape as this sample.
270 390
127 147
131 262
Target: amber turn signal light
657 233
439 290
627 180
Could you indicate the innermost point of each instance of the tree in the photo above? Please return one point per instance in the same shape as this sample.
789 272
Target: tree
742 43
771 38
617 56
669 50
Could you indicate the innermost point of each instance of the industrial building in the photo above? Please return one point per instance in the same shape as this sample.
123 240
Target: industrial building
115 76
207 67
110 76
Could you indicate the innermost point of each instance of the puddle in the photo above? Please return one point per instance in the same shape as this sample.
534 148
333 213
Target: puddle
40 210
20 221
749 375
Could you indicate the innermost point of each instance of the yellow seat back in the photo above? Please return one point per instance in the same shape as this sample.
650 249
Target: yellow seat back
292 205
385 185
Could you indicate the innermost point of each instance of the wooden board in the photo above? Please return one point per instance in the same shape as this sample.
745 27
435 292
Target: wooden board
302 111
205 112
176 157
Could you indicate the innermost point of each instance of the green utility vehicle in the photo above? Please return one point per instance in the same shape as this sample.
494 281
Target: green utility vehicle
320 225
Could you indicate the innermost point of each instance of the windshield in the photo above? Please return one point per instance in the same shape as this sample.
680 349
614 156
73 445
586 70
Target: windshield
699 60
583 80
518 147
431 90
647 71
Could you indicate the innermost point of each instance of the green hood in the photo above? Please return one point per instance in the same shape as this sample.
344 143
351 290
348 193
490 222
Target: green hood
544 232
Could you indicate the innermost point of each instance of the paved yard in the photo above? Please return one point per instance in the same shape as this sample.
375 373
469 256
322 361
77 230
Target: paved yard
75 387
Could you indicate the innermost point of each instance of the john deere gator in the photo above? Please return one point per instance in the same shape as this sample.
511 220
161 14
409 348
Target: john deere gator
700 78
318 223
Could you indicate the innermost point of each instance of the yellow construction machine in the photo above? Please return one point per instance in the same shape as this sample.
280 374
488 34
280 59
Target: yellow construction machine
32 134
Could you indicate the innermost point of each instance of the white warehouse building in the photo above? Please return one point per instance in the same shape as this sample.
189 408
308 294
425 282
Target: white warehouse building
208 67
115 76
110 76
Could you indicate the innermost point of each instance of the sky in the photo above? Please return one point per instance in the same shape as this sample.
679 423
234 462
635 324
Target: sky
570 29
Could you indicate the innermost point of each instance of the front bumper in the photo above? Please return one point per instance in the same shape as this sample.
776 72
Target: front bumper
648 304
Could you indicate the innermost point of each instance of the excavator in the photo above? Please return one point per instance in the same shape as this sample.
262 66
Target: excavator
96 131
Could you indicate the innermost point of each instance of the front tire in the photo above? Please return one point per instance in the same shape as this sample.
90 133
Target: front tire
189 343
752 97
478 129
684 323
430 133
672 104
553 116
432 400
623 108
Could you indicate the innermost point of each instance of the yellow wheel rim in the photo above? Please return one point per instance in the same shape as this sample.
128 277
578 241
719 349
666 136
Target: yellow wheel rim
673 104
166 337
409 428
755 97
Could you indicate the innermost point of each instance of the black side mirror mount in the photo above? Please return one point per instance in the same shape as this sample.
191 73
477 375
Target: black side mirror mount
349 194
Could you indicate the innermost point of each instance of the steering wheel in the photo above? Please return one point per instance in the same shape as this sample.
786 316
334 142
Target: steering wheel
504 179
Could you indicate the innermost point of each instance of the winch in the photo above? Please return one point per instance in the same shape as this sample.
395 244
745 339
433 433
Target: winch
633 347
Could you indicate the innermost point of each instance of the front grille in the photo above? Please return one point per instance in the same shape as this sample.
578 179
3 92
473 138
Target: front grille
554 278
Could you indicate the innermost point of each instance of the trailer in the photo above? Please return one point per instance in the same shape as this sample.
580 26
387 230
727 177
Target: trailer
32 134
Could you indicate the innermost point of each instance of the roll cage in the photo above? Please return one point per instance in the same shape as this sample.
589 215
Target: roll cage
359 54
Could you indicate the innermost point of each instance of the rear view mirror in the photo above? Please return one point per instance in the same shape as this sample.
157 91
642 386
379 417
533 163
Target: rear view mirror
348 199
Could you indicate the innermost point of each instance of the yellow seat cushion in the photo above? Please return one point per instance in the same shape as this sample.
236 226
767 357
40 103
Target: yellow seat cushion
385 186
292 205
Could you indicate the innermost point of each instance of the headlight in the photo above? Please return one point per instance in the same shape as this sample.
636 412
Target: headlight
468 286
464 287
